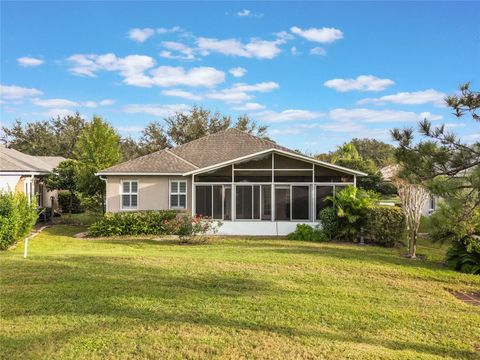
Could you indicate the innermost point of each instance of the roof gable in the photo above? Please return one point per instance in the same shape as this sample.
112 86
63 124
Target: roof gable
16 161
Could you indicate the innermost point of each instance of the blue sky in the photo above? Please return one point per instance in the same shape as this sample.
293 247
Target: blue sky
318 74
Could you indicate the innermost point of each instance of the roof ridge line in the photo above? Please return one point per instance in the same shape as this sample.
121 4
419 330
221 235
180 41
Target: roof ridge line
179 157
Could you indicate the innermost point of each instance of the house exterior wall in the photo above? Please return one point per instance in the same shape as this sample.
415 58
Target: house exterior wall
153 192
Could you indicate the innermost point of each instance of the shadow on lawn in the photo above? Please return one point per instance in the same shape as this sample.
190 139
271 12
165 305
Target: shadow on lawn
122 295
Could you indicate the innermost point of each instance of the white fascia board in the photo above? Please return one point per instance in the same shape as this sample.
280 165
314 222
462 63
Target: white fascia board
137 174
286 153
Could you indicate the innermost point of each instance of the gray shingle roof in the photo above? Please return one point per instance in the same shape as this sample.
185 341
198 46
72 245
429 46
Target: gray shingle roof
223 146
15 161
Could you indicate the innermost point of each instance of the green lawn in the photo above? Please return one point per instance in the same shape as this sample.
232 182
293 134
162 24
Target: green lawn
88 299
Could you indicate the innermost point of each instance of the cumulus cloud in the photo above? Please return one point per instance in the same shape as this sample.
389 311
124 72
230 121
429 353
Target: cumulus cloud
410 98
249 106
181 94
237 71
241 92
173 29
13 92
378 116
133 67
107 102
256 48
318 51
155 109
55 103
248 13
321 35
176 50
288 115
361 83
140 35
59 112
26 61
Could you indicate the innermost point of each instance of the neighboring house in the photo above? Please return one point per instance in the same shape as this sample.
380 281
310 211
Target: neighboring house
254 186
390 171
26 173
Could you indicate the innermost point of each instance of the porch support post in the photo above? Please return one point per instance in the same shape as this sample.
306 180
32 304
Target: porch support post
313 196
355 180
193 195
233 192
272 189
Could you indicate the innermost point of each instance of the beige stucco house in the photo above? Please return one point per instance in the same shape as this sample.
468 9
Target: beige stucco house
26 173
254 186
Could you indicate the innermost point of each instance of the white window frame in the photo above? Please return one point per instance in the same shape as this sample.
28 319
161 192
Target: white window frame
178 193
129 208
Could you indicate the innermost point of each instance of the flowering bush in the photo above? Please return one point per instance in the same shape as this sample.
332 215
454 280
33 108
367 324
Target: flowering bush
193 228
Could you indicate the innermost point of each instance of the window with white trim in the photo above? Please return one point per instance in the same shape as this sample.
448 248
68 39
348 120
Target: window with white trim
129 195
178 194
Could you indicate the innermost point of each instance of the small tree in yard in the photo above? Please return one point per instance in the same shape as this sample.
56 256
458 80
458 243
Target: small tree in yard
97 148
413 198
64 177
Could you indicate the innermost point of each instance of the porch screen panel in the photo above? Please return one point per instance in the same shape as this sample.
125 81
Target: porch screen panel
217 202
256 202
300 202
227 203
286 176
203 200
266 202
322 203
282 203
244 202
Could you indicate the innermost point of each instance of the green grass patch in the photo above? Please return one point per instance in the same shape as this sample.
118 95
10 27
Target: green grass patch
231 298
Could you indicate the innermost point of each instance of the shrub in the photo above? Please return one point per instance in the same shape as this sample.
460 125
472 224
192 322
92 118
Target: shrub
64 203
351 204
464 255
149 222
193 228
17 217
384 225
329 222
307 233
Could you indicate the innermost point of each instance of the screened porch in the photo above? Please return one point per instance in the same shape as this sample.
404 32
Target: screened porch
271 187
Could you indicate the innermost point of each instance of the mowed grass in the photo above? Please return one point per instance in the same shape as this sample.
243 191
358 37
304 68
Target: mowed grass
232 298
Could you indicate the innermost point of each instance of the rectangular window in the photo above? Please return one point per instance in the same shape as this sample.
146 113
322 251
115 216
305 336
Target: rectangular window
40 195
227 203
266 202
282 203
217 202
244 200
129 195
178 194
300 202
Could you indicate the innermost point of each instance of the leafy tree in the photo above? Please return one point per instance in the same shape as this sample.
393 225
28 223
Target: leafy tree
64 177
54 137
448 167
130 148
153 139
184 127
97 148
380 153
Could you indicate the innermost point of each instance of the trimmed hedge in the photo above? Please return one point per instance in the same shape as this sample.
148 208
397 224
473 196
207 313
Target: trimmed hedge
64 202
384 225
150 222
307 233
17 217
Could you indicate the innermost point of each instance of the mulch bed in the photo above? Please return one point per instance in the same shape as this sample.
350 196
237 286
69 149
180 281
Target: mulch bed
472 299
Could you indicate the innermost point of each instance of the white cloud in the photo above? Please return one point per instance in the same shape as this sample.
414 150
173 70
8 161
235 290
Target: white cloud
409 98
140 35
361 83
378 116
26 61
13 92
133 68
454 125
166 76
58 112
155 109
248 13
240 92
320 35
90 104
286 131
237 71
169 30
130 129
182 94
55 103
256 48
184 52
294 51
107 102
249 106
318 51
288 115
